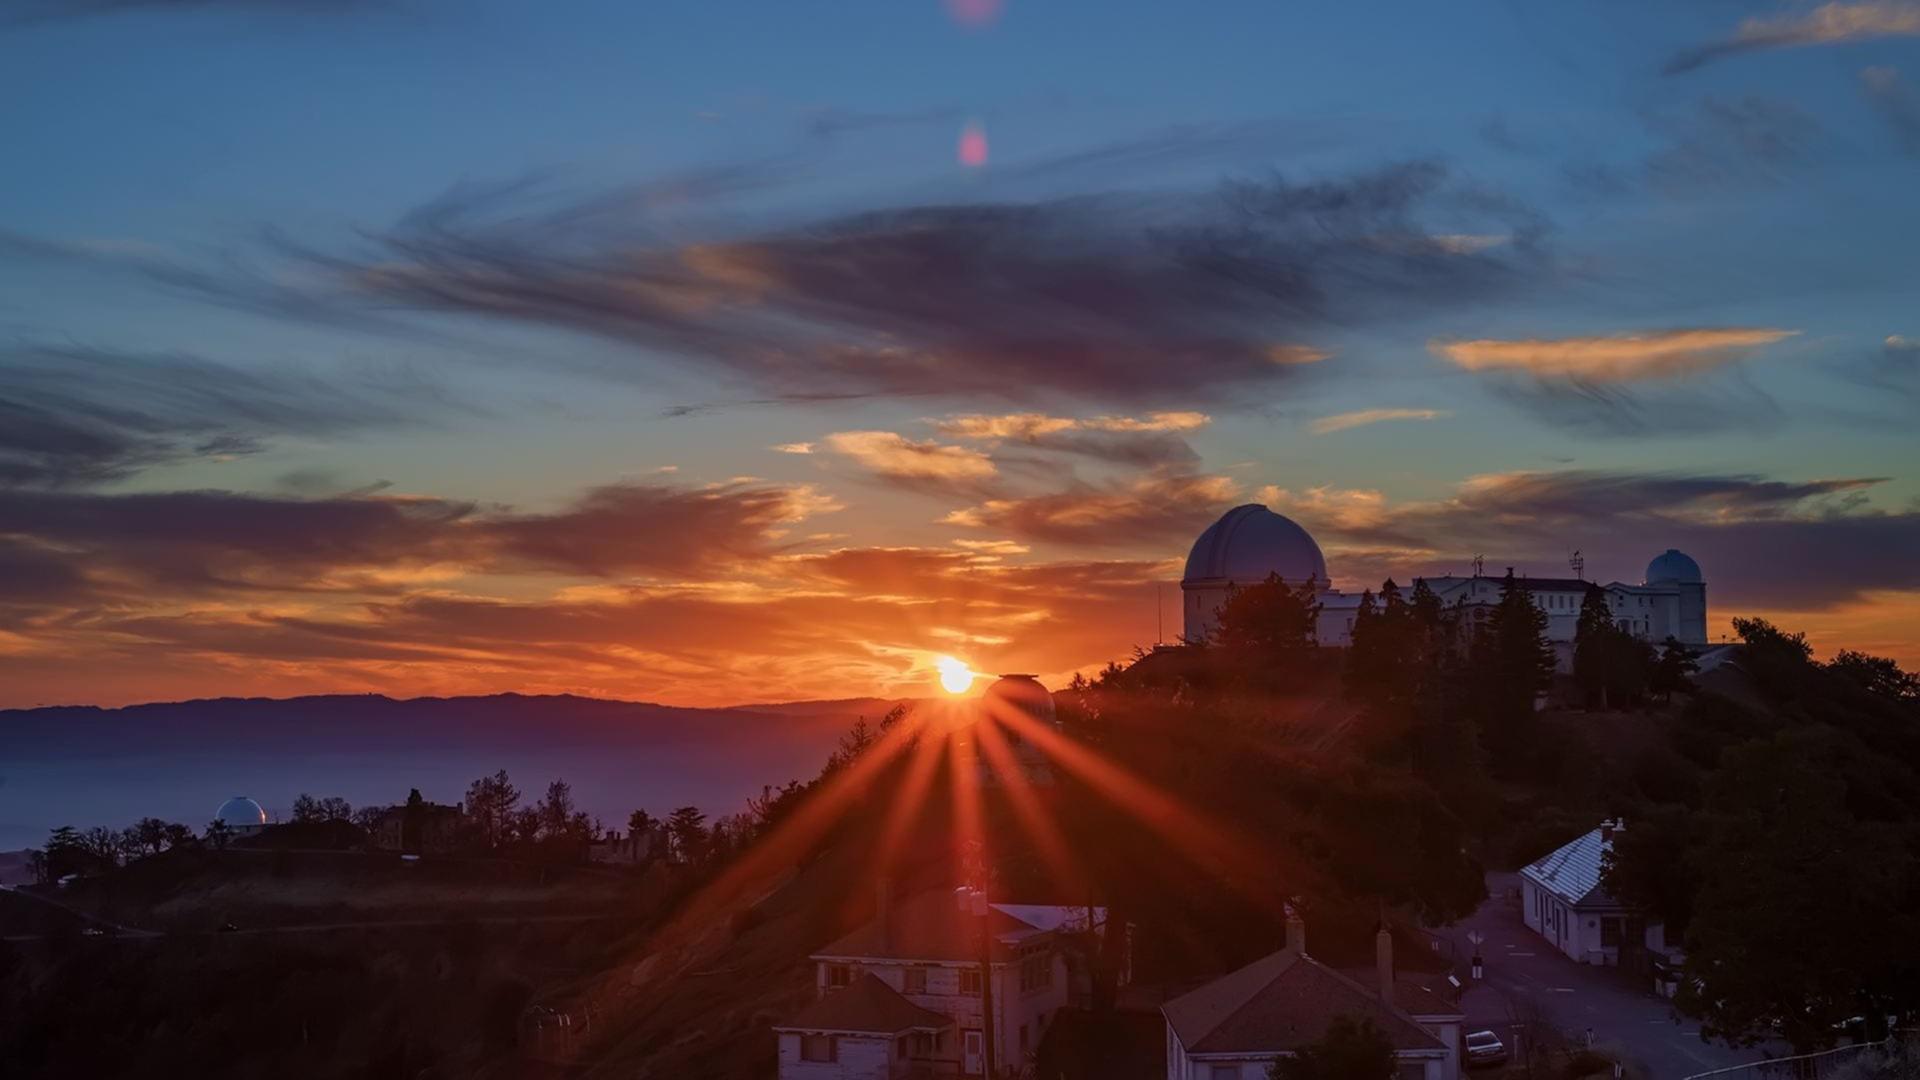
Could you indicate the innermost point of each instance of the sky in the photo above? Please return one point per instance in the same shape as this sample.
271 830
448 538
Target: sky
720 353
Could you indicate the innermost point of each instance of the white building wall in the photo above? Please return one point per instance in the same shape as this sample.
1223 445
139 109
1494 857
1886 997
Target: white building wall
1012 1007
857 1058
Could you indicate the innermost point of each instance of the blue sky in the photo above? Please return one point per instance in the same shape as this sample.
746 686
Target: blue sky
1608 244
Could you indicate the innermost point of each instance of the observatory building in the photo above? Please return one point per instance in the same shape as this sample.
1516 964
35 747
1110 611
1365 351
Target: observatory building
1251 542
242 815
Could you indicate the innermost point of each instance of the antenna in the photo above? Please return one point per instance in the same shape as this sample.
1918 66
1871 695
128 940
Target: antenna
1160 613
1579 564
1479 566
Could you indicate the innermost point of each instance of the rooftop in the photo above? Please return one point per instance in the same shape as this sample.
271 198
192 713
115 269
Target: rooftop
1572 870
867 1007
929 926
1280 1003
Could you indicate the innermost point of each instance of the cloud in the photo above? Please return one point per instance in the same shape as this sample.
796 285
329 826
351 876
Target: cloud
1828 24
1163 297
1613 358
195 543
1724 145
1762 541
1362 417
1150 441
918 462
78 416
794 448
1895 103
1159 509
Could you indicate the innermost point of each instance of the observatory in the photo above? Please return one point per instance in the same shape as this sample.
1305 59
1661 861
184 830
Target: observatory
242 816
1250 543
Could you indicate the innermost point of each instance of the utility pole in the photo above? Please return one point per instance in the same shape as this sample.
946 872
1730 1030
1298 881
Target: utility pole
973 901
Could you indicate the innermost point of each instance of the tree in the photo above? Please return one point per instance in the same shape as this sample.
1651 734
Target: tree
1671 671
1804 915
335 808
1877 674
640 823
413 819
219 834
556 810
686 827
1350 1050
1273 619
178 835
305 809
1512 661
1650 868
103 845
491 803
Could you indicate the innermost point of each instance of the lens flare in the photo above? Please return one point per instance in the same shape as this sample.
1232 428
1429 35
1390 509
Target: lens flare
955 678
973 145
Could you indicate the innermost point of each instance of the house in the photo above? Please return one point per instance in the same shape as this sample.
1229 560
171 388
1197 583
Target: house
632 849
1562 900
427 828
1234 1027
902 995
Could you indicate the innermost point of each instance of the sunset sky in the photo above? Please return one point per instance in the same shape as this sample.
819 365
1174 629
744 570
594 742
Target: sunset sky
717 353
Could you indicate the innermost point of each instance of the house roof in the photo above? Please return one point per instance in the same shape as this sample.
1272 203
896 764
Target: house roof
930 926
1280 1003
868 1007
1410 994
1572 870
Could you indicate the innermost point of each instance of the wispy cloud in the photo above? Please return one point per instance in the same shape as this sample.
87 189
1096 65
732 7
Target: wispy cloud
894 456
1895 102
1362 417
1613 358
1154 440
71 415
1829 24
1160 508
794 448
1163 297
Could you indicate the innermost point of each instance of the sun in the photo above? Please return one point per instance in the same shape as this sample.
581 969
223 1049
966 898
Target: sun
955 678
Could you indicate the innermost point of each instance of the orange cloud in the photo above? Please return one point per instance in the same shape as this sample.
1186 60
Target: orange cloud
1612 358
1361 418
891 454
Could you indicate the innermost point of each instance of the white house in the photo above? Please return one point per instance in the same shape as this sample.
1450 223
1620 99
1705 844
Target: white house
901 996
1234 1027
1562 900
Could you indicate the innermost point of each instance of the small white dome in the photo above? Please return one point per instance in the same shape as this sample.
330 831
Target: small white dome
1024 693
240 811
1673 565
1250 542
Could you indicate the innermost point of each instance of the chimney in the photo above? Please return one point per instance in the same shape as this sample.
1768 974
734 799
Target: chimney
883 910
1383 959
1296 932
1606 831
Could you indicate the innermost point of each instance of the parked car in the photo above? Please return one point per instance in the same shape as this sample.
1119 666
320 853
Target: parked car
1485 1048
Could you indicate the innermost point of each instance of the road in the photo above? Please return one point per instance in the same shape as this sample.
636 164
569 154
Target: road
1520 965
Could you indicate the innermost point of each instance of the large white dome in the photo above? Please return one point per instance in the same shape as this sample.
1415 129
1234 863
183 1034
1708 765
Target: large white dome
1673 565
241 811
1250 542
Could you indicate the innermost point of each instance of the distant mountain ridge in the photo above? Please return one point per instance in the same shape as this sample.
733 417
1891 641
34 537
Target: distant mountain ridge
86 765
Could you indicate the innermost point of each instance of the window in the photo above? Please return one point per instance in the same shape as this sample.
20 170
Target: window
906 1046
1410 1070
970 981
916 981
1036 971
1609 933
819 1048
1224 1072
839 975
